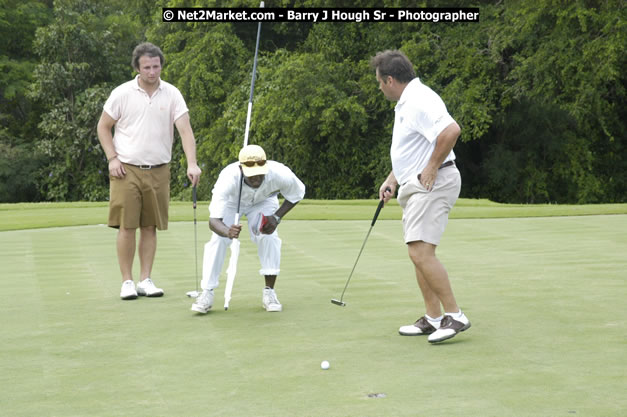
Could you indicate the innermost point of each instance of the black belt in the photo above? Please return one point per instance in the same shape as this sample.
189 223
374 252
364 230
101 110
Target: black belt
147 166
444 165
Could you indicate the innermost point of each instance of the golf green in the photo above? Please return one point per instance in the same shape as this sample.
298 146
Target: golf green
546 298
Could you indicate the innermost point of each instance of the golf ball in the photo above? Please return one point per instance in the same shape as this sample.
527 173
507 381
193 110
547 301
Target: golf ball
325 365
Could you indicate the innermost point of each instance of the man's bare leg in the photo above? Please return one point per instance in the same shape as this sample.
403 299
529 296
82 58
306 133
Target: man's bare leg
126 252
147 250
432 279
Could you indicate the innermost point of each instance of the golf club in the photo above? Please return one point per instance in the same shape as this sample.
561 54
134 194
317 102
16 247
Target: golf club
341 302
232 268
194 294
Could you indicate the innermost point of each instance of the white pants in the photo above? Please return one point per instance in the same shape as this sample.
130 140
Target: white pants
268 246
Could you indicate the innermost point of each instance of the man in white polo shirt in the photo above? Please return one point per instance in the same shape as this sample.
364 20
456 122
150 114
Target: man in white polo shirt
262 182
423 165
144 112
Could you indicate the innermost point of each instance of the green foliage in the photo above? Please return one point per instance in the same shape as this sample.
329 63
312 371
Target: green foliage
18 115
17 164
18 21
538 88
326 133
79 170
86 47
537 162
572 59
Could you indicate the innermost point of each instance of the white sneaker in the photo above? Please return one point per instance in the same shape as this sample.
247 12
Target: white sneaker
270 300
203 302
148 288
128 290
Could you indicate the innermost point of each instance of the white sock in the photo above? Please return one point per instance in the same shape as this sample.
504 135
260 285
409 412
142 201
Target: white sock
457 315
434 320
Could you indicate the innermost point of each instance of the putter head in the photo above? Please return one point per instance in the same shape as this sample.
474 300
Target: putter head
338 302
192 294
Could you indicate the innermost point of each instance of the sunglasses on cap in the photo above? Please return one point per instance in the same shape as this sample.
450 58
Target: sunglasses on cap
251 164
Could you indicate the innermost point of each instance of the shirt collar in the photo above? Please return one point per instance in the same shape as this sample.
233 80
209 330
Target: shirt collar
138 87
405 94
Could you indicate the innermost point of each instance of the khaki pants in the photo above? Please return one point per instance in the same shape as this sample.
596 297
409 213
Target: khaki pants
425 214
141 198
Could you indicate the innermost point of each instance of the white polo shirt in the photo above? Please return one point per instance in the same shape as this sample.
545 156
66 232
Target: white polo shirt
420 116
279 179
144 129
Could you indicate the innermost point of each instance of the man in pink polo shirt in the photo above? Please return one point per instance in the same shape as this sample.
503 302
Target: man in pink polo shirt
144 112
423 164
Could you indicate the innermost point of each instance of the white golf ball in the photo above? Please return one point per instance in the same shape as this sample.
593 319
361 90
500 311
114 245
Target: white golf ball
325 365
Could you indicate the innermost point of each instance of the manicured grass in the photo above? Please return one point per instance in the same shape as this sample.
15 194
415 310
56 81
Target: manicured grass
41 215
545 296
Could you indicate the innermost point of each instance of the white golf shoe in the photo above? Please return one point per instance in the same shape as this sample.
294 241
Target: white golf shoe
270 301
203 302
128 290
148 288
449 327
422 326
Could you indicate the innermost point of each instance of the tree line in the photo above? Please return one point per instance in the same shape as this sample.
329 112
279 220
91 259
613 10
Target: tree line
537 87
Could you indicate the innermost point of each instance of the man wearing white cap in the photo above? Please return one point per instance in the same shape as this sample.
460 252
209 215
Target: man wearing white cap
262 182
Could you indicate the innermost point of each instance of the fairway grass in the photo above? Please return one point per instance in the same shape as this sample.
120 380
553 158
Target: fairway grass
41 215
546 298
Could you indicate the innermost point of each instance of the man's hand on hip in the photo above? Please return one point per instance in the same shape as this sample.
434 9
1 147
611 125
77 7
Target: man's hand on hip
116 169
427 177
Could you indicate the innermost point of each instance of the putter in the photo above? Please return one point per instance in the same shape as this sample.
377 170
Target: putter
232 268
195 293
341 302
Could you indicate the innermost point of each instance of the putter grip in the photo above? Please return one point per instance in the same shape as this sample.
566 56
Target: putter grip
239 196
194 195
376 213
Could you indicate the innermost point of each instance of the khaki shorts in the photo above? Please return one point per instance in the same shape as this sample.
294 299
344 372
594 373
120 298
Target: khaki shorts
425 214
141 198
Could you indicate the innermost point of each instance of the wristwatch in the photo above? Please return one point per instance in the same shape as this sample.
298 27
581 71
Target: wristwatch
277 218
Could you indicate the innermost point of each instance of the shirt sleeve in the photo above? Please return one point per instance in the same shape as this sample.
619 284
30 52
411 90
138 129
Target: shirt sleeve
224 188
291 187
432 117
180 107
113 104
